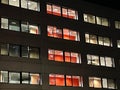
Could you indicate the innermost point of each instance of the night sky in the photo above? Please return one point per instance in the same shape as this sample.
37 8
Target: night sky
108 3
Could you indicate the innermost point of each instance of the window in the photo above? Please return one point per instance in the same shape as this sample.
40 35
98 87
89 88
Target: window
14 25
4 23
69 13
14 50
100 61
72 57
54 32
14 3
117 24
95 82
54 9
102 21
56 55
118 43
25 78
4 49
34 78
70 35
94 39
60 80
3 76
89 18
93 60
14 77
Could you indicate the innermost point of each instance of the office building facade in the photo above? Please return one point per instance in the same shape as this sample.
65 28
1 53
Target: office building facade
63 45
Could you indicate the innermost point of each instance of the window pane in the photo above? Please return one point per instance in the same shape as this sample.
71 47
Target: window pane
32 5
34 78
33 29
56 10
95 60
102 61
118 43
25 78
99 20
34 53
95 82
64 12
4 1
4 49
4 23
14 50
108 62
24 4
75 58
58 56
107 42
66 34
111 84
14 77
72 14
14 3
68 80
87 38
51 55
25 51
76 81
49 9
93 39
60 81
24 26
104 83
73 35
4 76
101 40
67 57
14 25
104 22
52 79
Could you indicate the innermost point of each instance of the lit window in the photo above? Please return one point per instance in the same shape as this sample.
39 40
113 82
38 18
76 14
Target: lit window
69 13
95 82
14 3
70 35
53 9
118 43
92 59
4 23
33 29
4 76
25 78
4 49
93 39
33 5
68 80
117 24
14 77
34 78
4 1
34 53
14 25
54 32
102 21
89 18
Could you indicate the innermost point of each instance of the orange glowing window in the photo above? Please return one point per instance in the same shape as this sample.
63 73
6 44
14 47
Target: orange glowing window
76 81
52 79
70 35
67 57
60 80
51 54
56 10
58 56
54 32
49 9
64 12
68 80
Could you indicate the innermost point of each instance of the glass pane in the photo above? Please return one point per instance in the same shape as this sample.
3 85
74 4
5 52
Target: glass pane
34 53
85 17
52 79
111 84
95 60
76 81
102 61
14 50
4 49
68 80
14 3
118 43
67 57
107 42
104 83
4 1
58 56
34 78
64 12
14 77
56 10
71 14
32 5
25 51
4 23
51 55
50 30
101 40
4 76
24 4
93 39
75 58
91 18
99 20
87 38
108 61
73 35
49 9
33 29
104 22
66 34
25 78
14 25
24 26
60 81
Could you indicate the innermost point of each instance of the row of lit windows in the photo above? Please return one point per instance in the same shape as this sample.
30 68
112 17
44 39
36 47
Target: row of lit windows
100 60
65 80
22 26
20 78
27 4
96 20
64 33
61 56
94 39
19 51
97 82
62 11
55 80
